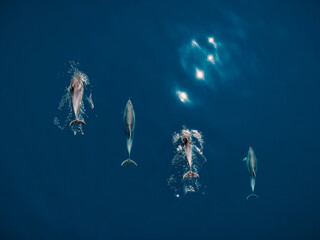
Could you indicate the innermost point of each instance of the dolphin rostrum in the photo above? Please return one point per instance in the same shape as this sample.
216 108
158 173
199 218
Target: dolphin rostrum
76 90
251 161
129 122
186 141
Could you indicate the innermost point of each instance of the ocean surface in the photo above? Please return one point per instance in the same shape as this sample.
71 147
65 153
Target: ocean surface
237 73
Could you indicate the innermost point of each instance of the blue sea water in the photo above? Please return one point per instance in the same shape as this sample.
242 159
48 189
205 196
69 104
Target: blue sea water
259 89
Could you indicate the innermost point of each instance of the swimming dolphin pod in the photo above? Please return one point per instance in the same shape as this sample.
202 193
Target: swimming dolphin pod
251 161
129 122
76 90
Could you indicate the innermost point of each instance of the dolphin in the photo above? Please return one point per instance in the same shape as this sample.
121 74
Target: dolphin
186 141
76 90
129 122
251 161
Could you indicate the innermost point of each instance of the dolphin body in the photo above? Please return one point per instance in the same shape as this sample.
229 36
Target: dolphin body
186 140
129 122
76 90
251 161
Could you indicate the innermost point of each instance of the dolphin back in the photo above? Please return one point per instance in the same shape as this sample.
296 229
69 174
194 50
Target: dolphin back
76 90
129 122
129 119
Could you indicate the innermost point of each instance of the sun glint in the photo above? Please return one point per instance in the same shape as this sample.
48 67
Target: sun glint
199 74
211 40
183 96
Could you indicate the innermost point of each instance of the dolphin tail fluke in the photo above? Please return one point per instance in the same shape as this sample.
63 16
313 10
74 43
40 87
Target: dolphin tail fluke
190 174
252 195
77 121
128 162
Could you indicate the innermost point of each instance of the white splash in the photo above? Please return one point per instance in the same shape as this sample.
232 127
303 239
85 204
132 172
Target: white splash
198 149
90 101
189 188
198 136
175 138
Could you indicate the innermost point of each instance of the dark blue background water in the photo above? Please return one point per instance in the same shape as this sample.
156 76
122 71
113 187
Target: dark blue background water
54 185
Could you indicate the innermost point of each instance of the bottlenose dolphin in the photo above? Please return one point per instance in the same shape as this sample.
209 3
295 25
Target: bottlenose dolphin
129 122
252 168
186 141
76 90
